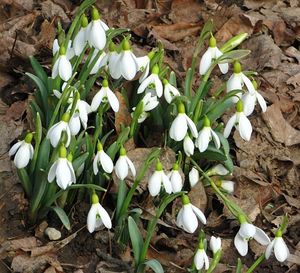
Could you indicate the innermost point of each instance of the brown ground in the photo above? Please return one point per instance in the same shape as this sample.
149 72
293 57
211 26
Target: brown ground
267 171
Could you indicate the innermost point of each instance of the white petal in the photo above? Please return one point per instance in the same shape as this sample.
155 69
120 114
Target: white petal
55 46
79 41
151 103
203 139
170 92
261 102
106 162
104 26
192 126
74 125
247 230
91 218
166 182
68 136
95 164
269 249
176 181
248 83
216 139
104 216
280 250
154 184
189 218
249 101
15 147
55 69
220 170
128 65
71 170
145 83
188 146
199 259
121 168
228 186
158 86
52 172
131 166
31 151
206 261
193 177
96 35
234 82
54 133
114 65
261 237
224 66
65 68
113 100
229 126
63 174
179 127
179 221
244 127
199 214
98 98
241 245
205 62
143 63
22 156
215 244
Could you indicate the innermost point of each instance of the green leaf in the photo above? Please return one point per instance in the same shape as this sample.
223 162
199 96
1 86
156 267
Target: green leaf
154 265
172 79
122 191
79 160
87 186
25 180
62 216
233 55
39 70
136 239
212 153
114 148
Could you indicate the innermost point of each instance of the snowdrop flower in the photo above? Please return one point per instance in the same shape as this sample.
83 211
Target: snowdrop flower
103 160
188 146
80 39
113 61
237 81
152 80
55 132
215 244
122 165
226 185
180 125
175 179
62 66
158 179
194 177
144 65
101 61
241 123
97 216
210 54
200 258
96 31
206 135
105 95
127 62
279 247
62 170
218 170
23 150
170 91
247 232
250 99
188 214
70 50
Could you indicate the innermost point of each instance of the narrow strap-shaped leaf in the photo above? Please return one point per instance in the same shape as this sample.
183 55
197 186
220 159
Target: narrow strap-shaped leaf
25 181
39 70
136 239
62 216
154 265
79 160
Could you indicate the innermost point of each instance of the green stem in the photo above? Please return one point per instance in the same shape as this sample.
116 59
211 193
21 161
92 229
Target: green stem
256 263
214 262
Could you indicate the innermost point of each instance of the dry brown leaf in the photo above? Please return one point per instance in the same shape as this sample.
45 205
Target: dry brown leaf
24 244
198 196
50 9
122 117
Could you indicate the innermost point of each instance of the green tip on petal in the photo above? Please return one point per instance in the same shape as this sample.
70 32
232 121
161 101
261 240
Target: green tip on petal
151 54
122 151
70 157
240 106
242 218
105 83
66 117
28 138
237 67
175 167
212 42
278 234
126 45
112 47
181 108
159 166
165 81
62 152
254 84
95 198
155 69
95 14
99 146
84 21
185 199
206 121
62 50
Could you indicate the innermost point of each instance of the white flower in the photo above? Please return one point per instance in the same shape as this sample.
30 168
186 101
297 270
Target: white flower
247 232
193 177
215 244
175 179
211 53
23 150
55 132
103 160
188 146
101 61
62 170
237 81
250 99
144 66
227 185
218 170
149 103
97 216
62 66
113 62
170 91
153 79
105 94
157 179
241 123
187 216
127 62
180 125
70 50
96 31
205 136
80 39
279 247
201 259
122 165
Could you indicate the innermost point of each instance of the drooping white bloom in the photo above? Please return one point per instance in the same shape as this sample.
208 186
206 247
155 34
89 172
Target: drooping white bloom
170 91
144 66
62 170
103 160
69 53
180 125
205 136
55 132
123 164
279 247
227 185
127 62
105 94
215 244
113 62
81 38
188 214
193 177
23 150
247 232
97 216
158 179
154 80
201 259
175 179
210 54
188 146
241 123
96 31
218 170
101 61
62 67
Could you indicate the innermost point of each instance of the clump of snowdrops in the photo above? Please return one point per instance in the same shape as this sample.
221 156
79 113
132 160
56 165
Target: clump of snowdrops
71 155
